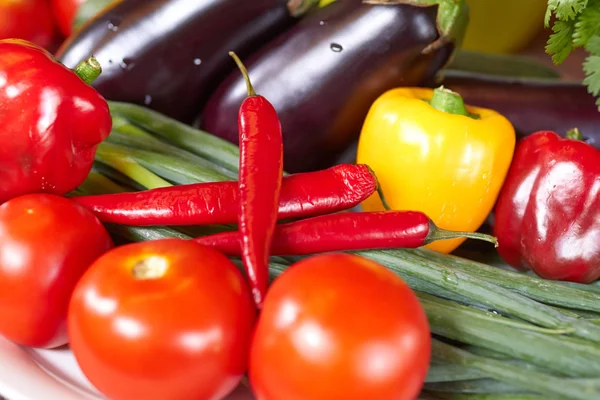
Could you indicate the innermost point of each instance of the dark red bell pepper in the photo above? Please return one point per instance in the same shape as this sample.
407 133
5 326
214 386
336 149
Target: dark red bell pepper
51 121
548 213
28 20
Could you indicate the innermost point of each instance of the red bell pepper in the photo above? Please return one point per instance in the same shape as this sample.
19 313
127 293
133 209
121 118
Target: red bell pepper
548 213
52 121
28 20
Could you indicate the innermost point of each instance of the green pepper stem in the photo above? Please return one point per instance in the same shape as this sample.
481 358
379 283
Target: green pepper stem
448 101
574 134
88 70
244 72
436 234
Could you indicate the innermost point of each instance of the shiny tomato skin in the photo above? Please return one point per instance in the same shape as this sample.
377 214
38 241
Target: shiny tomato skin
338 326
46 244
29 20
64 14
182 335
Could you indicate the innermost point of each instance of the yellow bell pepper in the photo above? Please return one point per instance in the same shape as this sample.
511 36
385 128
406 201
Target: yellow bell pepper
503 26
432 154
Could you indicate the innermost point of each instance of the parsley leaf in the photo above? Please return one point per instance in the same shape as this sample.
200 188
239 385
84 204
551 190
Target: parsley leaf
560 43
587 24
564 10
591 67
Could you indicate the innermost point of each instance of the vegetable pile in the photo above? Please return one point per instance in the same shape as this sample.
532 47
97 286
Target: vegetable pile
181 263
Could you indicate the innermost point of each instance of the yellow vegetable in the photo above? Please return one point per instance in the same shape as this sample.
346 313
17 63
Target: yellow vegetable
503 26
433 154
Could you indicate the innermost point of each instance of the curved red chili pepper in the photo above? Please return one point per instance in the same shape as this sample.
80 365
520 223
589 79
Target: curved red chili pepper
347 231
260 175
302 195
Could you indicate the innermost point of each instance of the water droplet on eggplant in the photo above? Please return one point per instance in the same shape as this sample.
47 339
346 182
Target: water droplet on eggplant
147 100
337 48
127 64
197 61
111 26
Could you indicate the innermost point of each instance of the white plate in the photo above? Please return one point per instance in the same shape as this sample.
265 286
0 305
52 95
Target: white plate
29 374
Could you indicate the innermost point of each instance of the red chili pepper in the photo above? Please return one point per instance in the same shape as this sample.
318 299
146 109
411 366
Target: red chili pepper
260 176
548 213
302 195
29 20
347 231
52 121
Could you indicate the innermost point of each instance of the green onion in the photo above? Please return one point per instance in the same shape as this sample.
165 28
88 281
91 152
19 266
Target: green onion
208 146
572 295
168 167
460 396
492 296
480 386
559 353
551 386
121 160
131 136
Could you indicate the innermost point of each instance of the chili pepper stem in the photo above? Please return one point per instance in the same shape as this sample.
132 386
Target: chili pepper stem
446 100
379 189
436 234
88 70
244 71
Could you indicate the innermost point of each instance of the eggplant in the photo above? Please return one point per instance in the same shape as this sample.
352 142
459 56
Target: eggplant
171 54
323 74
532 104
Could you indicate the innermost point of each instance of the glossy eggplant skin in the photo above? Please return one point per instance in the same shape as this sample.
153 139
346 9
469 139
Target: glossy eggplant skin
323 74
171 54
533 105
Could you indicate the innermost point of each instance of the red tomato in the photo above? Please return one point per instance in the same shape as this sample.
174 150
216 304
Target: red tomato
338 326
27 19
46 244
165 319
64 13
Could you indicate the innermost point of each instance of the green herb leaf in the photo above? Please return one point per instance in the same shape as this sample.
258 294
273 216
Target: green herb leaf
560 43
587 24
591 67
564 10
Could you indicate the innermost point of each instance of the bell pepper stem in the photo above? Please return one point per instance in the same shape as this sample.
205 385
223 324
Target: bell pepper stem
448 101
244 72
88 70
574 134
436 234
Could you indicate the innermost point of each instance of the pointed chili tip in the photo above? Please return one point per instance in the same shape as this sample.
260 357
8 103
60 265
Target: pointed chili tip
574 134
88 70
244 72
